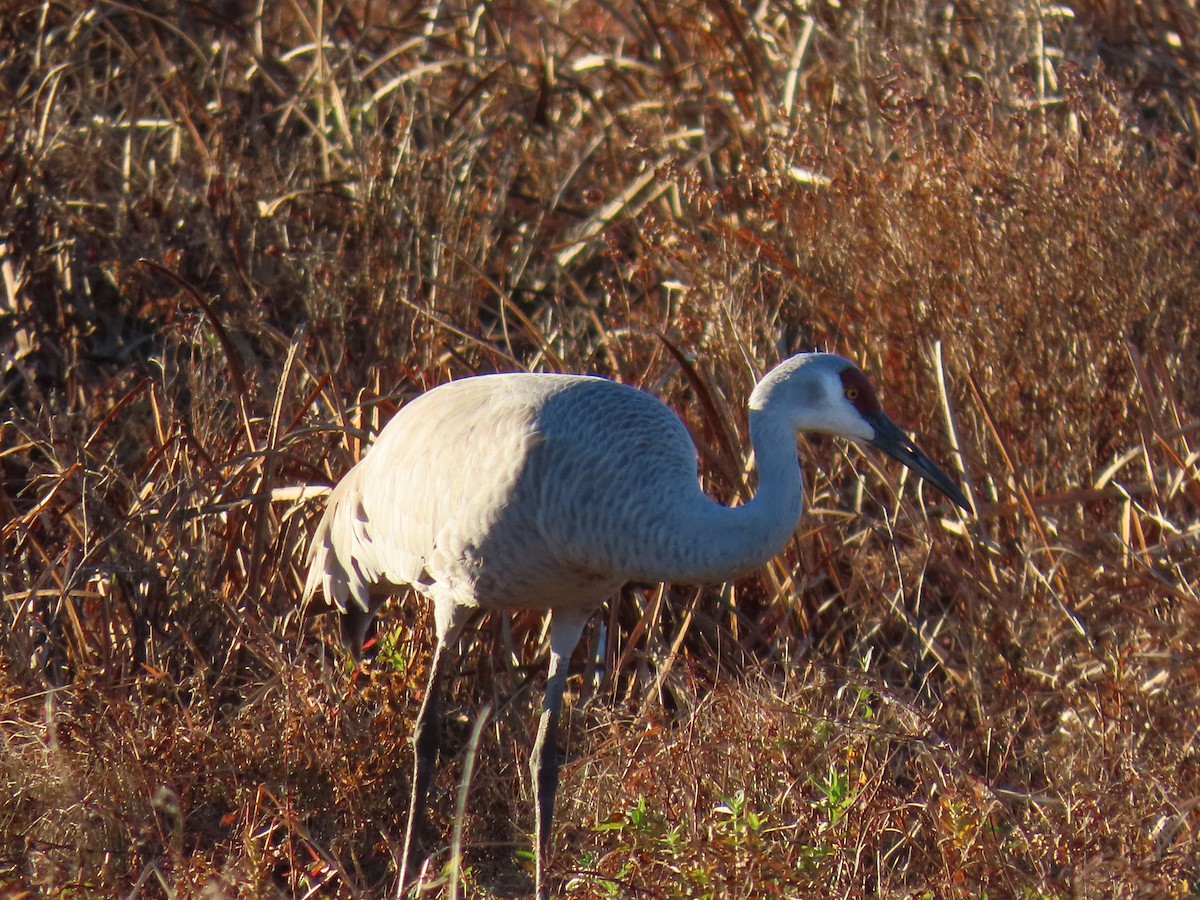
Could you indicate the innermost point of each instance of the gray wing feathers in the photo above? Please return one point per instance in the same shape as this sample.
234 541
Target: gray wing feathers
337 563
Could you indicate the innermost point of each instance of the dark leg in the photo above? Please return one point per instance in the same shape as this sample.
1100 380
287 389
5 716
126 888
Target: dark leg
427 735
566 625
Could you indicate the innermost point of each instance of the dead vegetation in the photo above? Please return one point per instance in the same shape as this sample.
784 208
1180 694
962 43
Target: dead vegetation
233 241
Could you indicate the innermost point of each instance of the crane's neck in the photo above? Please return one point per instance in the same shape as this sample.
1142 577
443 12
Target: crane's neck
718 543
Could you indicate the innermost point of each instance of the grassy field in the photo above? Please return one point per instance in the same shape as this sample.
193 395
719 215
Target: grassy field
235 237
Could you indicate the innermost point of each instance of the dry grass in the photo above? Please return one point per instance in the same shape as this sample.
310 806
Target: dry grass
231 243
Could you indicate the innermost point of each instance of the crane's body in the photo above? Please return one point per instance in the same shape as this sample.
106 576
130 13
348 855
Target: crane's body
549 492
536 492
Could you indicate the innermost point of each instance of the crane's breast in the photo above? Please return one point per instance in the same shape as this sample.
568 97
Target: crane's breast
616 469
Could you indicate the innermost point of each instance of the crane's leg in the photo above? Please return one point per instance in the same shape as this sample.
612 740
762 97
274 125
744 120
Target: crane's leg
566 625
427 735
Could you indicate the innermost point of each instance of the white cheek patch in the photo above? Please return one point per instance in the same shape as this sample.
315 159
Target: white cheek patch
845 421
838 415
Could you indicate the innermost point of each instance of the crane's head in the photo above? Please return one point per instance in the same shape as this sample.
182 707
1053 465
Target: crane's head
828 394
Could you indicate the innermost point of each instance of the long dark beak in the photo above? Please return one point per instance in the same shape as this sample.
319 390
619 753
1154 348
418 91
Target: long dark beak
895 443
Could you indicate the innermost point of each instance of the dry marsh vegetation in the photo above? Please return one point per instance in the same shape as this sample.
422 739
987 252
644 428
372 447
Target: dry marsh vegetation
234 237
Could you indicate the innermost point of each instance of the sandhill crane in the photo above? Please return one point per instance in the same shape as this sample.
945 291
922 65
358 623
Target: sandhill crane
549 492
